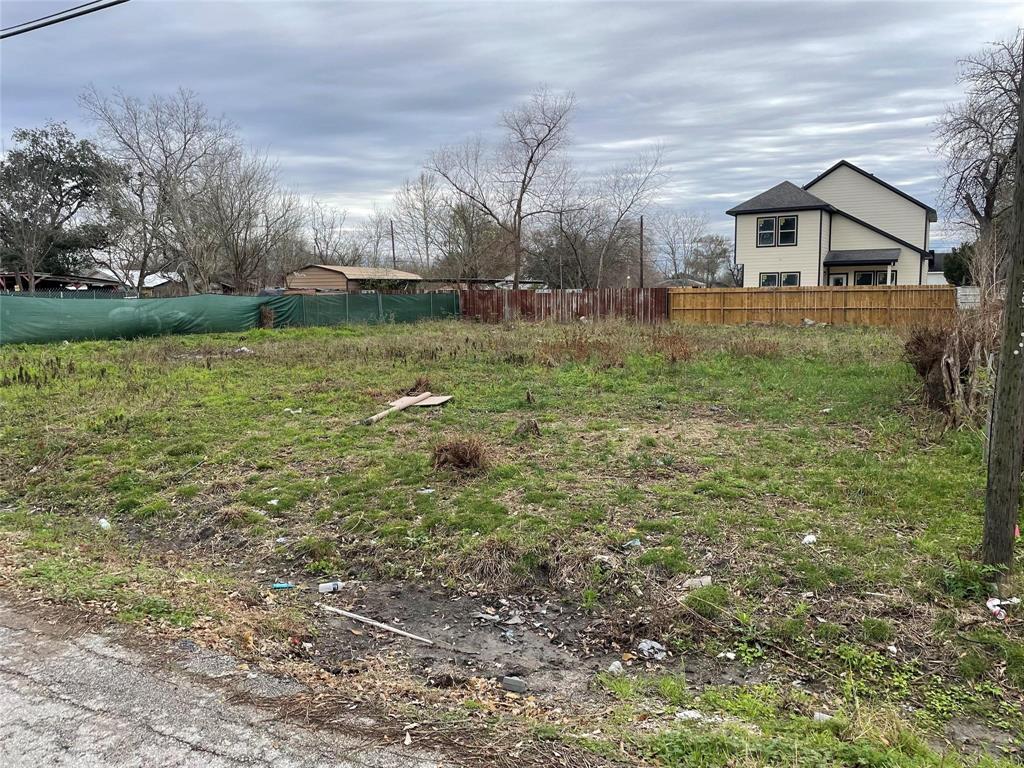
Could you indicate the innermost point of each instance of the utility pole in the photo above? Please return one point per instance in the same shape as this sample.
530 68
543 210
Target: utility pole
394 261
1006 433
641 251
561 285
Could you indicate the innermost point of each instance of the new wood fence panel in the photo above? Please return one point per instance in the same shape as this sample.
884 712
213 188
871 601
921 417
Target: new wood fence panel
898 305
643 305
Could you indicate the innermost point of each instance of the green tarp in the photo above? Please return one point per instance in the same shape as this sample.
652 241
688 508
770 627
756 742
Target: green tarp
26 320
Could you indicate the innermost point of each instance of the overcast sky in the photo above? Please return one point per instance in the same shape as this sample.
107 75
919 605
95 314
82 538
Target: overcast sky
352 96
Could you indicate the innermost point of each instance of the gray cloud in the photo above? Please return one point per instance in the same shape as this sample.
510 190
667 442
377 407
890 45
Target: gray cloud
352 97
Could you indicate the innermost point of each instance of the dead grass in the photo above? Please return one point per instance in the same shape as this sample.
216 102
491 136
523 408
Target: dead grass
464 455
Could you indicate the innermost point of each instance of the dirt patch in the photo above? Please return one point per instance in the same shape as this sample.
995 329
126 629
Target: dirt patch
536 640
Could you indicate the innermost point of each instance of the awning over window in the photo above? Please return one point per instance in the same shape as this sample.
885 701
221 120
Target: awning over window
863 256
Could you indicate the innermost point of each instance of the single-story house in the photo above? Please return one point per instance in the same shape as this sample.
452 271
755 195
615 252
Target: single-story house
160 285
844 227
19 281
338 278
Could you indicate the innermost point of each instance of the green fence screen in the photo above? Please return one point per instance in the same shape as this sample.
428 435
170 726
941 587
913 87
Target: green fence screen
27 320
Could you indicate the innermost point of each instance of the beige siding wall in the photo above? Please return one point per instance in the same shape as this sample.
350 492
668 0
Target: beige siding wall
802 257
849 235
859 196
317 279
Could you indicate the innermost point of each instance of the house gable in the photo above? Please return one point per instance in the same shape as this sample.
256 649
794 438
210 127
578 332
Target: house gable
854 191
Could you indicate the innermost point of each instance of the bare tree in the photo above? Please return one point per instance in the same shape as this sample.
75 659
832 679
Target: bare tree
370 244
251 214
327 230
676 235
1006 438
517 179
164 144
976 136
623 192
710 258
419 205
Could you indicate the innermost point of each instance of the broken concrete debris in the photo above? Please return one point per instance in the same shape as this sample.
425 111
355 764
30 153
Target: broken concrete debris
104 524
652 649
697 582
616 668
513 684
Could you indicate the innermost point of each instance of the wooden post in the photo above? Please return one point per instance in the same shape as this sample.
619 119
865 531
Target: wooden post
641 251
1006 431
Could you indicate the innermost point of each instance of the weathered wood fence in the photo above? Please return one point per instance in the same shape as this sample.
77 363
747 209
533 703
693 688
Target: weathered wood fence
642 305
896 305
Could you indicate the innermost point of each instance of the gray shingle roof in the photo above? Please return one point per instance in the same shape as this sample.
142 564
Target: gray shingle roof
862 256
782 197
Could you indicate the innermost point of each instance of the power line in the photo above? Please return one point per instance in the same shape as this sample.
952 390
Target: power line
50 16
57 18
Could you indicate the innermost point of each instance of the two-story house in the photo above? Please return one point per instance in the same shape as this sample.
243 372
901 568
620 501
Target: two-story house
846 227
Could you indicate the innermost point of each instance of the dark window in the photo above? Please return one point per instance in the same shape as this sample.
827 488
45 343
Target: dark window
787 230
837 280
863 278
769 280
880 278
790 279
766 232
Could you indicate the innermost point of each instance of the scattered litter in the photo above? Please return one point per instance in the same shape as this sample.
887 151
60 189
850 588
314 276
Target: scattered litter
425 491
487 616
243 351
689 714
408 738
809 539
697 582
604 562
513 684
330 586
893 650
652 649
632 544
281 540
515 618
374 623
293 411
822 717
729 655
33 470
616 668
104 524
994 604
283 585
273 502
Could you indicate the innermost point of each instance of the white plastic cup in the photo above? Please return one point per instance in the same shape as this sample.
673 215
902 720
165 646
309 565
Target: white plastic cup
330 586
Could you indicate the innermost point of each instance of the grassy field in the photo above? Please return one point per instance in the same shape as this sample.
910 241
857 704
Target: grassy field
225 462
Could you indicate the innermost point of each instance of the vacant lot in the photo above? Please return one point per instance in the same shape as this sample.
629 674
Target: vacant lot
227 463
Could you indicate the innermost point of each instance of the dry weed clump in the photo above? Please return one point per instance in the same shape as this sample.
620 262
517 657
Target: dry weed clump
465 455
674 347
747 346
583 345
956 364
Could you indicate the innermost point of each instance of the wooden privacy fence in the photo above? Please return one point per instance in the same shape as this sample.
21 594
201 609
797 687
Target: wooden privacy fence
896 305
643 305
